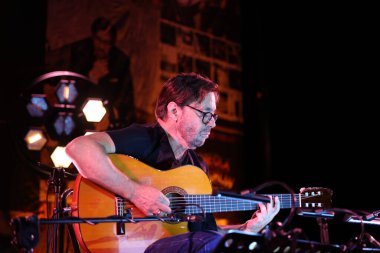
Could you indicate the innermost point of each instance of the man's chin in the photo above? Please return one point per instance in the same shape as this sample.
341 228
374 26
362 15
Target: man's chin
199 144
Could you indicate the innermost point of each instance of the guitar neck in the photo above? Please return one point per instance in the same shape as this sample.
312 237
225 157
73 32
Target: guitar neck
194 204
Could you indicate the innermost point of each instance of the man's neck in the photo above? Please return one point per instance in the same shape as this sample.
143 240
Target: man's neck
175 140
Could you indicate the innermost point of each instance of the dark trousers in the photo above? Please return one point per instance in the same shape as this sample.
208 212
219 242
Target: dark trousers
192 242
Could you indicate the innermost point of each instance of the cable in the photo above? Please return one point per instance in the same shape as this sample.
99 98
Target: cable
355 215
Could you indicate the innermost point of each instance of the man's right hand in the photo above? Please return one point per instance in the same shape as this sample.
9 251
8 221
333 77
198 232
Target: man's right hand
149 200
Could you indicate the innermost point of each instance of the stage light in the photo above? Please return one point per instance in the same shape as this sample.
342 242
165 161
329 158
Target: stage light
94 110
37 105
66 91
35 139
59 157
252 246
64 123
55 102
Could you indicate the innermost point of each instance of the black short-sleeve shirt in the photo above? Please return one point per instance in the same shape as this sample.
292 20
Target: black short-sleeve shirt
150 144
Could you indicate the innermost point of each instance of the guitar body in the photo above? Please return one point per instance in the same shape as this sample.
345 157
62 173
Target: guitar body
93 201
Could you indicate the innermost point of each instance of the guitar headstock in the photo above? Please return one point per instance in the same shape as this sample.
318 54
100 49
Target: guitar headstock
316 197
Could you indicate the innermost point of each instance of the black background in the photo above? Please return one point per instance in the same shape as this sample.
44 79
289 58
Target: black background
315 124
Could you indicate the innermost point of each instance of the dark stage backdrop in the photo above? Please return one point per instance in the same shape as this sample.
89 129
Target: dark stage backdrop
315 108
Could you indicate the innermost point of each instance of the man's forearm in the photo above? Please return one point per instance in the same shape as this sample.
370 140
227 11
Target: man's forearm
93 163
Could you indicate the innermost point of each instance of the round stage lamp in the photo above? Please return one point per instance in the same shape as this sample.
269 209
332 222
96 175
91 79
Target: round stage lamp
60 158
94 110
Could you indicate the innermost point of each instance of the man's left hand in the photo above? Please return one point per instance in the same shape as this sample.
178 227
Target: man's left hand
264 214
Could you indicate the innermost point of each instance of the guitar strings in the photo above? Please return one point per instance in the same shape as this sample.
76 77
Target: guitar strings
212 203
215 204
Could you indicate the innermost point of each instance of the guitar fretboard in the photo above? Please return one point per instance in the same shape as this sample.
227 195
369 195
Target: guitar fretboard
195 204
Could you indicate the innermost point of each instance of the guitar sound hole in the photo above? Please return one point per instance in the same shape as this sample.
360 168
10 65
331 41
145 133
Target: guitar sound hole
177 203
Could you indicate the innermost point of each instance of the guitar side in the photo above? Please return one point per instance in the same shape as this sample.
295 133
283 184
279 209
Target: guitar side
93 201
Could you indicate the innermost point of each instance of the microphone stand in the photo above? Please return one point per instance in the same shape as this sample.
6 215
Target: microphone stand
55 181
94 221
26 230
372 215
321 217
323 230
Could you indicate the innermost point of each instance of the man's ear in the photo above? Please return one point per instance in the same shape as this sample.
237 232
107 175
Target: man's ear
173 111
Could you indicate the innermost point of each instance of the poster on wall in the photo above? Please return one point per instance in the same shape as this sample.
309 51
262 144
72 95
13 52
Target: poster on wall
102 40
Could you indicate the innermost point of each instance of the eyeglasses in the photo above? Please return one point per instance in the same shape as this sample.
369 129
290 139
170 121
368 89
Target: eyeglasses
207 116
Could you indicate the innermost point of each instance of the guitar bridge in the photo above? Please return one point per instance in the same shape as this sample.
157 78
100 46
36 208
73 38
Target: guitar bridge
121 211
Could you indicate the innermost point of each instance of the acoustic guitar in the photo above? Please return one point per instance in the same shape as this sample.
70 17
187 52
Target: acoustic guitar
189 191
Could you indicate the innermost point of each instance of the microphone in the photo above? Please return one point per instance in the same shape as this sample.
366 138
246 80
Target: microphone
372 215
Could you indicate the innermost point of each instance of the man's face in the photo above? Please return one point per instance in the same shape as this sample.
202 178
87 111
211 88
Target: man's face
191 126
102 44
